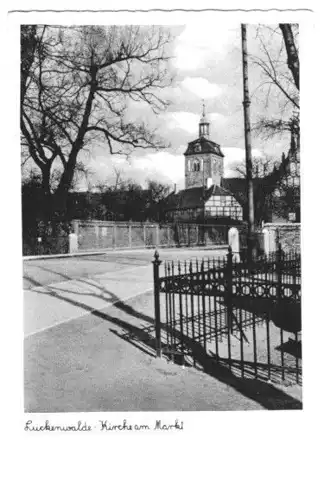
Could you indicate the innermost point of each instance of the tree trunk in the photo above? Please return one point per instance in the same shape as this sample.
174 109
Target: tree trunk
292 53
46 180
61 194
47 195
67 176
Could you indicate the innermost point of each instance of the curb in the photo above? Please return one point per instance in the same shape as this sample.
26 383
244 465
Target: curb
114 250
61 255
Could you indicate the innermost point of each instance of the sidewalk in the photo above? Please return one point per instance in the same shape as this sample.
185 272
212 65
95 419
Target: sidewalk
105 361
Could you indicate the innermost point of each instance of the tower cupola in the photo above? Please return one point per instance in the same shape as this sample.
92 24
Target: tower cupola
204 124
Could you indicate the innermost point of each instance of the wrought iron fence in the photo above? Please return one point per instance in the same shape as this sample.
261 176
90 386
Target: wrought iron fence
245 316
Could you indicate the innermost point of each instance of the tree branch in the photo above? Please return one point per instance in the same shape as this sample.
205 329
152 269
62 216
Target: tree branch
292 53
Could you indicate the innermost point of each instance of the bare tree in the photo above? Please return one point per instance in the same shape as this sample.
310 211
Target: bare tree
110 184
279 64
77 85
269 179
261 167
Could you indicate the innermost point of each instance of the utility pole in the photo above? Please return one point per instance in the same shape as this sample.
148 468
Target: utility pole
248 148
203 197
204 190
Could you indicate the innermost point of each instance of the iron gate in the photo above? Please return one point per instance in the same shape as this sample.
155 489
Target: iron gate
246 317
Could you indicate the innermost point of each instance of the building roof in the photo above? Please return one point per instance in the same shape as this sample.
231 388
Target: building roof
193 197
238 187
207 146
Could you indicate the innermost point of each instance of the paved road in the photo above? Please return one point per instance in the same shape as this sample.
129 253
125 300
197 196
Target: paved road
58 290
49 271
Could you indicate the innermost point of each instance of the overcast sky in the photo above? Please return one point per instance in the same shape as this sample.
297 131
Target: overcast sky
207 64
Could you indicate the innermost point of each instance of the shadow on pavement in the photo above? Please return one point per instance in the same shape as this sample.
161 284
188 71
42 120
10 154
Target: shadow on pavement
268 396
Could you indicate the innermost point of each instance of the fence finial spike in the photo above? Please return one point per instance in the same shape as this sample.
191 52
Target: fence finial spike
229 249
156 255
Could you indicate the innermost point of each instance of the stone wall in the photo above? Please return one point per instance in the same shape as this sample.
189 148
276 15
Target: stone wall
287 234
101 235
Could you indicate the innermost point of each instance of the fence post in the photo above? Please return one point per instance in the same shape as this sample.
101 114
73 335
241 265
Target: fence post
168 236
157 320
97 230
130 235
114 235
157 234
75 227
228 298
73 243
234 243
266 241
279 271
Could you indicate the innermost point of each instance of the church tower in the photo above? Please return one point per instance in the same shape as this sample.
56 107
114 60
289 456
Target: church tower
204 160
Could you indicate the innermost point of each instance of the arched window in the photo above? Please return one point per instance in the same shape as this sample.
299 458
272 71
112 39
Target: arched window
196 166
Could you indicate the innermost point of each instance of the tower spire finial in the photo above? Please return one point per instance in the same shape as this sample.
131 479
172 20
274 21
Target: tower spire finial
204 122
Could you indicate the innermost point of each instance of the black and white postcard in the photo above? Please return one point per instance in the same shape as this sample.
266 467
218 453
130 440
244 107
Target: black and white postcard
162 163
